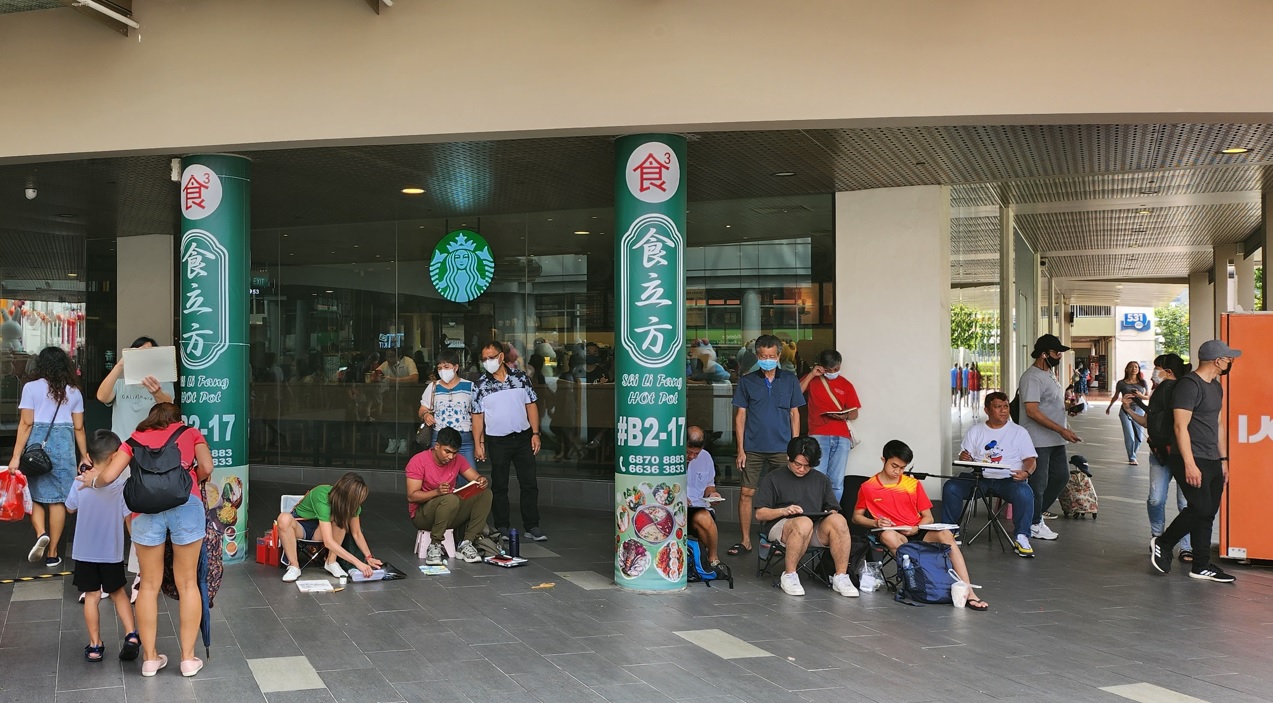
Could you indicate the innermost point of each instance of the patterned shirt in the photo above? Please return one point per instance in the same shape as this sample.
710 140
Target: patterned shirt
502 404
901 502
452 407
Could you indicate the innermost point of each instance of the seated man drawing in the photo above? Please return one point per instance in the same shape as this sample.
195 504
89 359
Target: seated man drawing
893 499
999 441
783 499
700 484
432 503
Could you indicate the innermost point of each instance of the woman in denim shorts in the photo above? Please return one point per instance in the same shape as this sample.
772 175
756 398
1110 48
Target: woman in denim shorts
183 525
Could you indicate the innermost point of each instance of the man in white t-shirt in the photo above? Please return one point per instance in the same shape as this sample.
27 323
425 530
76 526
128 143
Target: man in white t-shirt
1000 441
700 484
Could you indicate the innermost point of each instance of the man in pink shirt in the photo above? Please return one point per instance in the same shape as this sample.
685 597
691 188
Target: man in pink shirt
436 505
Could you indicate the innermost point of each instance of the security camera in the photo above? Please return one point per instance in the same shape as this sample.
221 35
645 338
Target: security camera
1043 263
31 192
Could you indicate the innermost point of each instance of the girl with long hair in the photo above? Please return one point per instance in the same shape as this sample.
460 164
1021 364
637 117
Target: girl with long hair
52 413
1132 385
331 512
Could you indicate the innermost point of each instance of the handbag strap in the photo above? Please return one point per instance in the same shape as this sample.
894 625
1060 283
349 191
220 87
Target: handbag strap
837 403
49 433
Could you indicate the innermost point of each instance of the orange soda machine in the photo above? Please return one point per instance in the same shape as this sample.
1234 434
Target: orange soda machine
1245 531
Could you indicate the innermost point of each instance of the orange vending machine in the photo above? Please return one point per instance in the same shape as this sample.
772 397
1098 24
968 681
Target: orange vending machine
1248 419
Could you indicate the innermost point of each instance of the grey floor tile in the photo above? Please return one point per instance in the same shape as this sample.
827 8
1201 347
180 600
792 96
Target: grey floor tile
238 689
546 641
33 689
260 634
433 692
98 695
166 687
514 659
360 685
321 695
34 611
43 589
408 666
592 669
631 693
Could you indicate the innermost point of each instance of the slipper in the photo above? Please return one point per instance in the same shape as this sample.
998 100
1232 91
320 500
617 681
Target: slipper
738 549
979 605
132 646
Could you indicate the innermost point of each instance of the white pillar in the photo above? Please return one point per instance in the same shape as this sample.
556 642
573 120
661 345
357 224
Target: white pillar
751 315
145 289
1244 295
1008 375
893 262
1223 255
1202 324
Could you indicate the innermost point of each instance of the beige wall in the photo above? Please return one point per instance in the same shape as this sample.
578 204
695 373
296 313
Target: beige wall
225 74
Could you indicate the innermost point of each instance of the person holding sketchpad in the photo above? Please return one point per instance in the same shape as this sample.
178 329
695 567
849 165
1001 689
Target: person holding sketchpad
331 512
434 503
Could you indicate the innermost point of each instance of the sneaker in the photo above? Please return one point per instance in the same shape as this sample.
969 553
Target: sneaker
1160 559
1042 531
392 448
334 569
791 584
37 552
402 446
433 555
503 533
537 534
1049 515
1211 573
468 552
51 562
842 584
1021 545
291 574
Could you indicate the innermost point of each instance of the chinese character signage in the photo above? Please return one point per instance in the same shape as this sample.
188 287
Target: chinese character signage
650 500
214 285
462 266
1137 321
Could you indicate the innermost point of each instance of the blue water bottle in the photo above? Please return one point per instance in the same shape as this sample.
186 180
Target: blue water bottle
514 543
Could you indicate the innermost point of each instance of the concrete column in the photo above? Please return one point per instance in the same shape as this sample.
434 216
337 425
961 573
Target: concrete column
1222 301
1244 285
912 327
1008 375
1202 318
751 314
146 289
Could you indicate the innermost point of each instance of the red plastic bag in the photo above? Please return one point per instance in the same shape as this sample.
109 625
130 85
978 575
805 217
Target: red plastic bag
12 486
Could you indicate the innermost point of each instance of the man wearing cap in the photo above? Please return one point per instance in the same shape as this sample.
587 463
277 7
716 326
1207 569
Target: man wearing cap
1043 416
1199 465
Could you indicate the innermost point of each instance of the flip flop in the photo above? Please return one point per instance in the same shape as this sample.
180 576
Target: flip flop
978 605
738 549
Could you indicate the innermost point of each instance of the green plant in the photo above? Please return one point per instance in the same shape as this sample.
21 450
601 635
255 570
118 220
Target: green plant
1173 328
963 327
1259 288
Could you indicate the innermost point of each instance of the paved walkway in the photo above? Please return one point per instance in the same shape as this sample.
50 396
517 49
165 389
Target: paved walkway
1085 621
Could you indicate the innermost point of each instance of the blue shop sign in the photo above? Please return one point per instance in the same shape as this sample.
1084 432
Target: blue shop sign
1138 321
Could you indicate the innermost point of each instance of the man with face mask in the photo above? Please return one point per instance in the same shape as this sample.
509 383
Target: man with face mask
506 422
1199 465
1043 416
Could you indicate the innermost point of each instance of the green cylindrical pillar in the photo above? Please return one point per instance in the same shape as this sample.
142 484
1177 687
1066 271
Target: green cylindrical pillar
649 255
213 269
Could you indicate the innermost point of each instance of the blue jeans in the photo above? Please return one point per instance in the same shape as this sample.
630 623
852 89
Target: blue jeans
466 451
835 459
1131 433
1017 493
1159 485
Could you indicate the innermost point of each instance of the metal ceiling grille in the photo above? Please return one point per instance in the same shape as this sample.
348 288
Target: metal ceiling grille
11 6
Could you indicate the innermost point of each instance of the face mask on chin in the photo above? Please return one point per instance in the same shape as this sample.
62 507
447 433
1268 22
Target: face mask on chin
491 365
446 375
767 364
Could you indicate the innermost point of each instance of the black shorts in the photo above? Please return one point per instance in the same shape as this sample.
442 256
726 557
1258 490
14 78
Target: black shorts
92 576
691 511
309 527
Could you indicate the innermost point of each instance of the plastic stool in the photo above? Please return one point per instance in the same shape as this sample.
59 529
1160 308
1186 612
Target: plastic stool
424 537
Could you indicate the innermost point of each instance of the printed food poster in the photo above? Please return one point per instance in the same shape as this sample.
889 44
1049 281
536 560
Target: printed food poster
650 528
225 499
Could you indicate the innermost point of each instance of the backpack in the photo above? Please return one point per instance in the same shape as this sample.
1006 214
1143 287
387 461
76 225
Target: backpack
159 480
1014 408
1160 423
700 570
925 571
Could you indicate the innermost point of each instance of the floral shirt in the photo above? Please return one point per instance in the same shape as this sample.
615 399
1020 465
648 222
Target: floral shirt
452 407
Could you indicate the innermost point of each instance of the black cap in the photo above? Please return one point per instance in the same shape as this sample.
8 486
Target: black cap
1047 343
1080 462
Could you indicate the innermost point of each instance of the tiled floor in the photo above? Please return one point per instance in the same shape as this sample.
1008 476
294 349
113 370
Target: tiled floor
1085 621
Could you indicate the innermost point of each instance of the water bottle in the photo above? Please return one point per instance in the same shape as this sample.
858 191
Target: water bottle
514 543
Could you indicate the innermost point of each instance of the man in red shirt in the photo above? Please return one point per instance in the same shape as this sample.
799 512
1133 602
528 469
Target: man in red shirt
433 503
891 499
833 405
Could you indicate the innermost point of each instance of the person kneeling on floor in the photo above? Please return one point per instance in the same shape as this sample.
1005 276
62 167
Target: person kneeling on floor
797 508
433 504
898 501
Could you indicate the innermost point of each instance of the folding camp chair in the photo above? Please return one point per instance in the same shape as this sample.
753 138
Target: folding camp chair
309 552
876 551
770 554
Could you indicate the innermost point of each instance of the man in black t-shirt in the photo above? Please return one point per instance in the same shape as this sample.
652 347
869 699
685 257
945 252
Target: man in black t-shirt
1199 465
783 502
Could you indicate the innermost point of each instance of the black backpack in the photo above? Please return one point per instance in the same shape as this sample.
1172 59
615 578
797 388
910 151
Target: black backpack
1160 422
1014 408
159 480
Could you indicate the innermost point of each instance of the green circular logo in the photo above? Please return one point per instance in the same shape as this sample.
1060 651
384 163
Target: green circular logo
462 266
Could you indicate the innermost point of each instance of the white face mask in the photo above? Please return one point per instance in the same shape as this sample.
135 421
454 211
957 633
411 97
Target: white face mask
491 365
832 376
446 375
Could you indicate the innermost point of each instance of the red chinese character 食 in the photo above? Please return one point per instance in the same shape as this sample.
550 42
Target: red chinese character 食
650 172
192 192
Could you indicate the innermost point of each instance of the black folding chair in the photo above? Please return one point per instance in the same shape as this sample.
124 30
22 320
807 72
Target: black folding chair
771 553
309 552
875 549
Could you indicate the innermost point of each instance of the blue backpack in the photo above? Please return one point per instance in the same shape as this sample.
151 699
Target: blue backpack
925 571
700 570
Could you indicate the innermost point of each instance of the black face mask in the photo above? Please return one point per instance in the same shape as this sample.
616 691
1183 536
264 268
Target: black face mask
1052 363
592 359
1227 369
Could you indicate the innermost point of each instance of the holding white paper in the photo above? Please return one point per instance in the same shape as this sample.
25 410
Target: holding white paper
160 362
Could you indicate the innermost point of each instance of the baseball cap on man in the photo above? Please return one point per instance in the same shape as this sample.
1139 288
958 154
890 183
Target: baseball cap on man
1047 343
1213 349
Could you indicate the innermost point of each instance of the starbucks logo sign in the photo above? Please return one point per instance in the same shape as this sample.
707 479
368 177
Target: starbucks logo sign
462 266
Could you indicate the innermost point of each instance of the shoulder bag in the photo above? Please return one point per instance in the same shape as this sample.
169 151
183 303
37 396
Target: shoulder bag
853 435
424 437
34 460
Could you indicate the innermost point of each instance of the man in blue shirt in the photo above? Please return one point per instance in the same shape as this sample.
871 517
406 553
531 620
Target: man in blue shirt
766 416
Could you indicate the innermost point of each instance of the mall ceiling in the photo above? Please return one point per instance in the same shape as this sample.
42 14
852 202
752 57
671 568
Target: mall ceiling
1116 203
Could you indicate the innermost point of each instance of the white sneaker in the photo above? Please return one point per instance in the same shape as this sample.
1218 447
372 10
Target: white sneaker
842 584
791 584
468 552
392 448
433 555
334 569
292 574
1042 531
402 446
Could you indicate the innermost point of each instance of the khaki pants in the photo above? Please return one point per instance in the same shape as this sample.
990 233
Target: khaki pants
448 512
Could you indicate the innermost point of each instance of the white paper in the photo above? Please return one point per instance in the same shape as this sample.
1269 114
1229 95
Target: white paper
997 473
939 526
982 464
376 575
714 499
160 362
316 586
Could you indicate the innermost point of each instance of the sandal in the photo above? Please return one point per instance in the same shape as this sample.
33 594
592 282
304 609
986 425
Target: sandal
978 604
737 549
1186 555
131 648
95 652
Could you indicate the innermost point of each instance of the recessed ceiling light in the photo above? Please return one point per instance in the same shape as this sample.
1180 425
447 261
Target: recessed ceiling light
412 190
1119 287
785 174
66 216
582 231
355 246
73 275
1143 211
328 291
728 226
1134 245
1235 150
